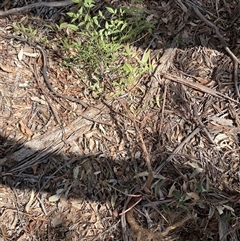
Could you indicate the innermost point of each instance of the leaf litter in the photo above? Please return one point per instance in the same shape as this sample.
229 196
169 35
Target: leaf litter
160 163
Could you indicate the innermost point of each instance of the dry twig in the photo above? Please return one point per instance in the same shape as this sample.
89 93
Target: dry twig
198 86
201 124
178 148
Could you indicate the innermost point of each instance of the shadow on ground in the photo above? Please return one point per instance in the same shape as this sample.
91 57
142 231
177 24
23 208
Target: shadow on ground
70 194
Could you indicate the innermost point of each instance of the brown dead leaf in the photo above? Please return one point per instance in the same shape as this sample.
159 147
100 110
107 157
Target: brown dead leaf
24 129
221 121
193 195
7 69
5 232
27 72
56 221
121 145
91 144
31 226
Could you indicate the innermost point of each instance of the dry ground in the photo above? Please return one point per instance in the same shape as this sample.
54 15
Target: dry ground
75 173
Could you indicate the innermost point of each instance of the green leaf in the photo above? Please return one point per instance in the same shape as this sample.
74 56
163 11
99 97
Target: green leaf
87 18
110 10
127 67
145 57
123 26
80 11
107 25
176 194
63 25
128 51
101 34
80 24
165 208
101 14
73 27
88 3
95 19
70 14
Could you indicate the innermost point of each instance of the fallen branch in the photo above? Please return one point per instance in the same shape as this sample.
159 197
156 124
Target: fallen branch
35 5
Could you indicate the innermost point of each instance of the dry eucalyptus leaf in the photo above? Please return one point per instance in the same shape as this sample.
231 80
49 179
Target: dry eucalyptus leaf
54 198
172 189
91 144
57 196
137 155
195 166
20 54
3 160
222 121
33 55
29 204
76 172
40 101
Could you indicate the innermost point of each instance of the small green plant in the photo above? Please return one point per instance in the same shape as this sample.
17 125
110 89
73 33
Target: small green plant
134 71
29 32
96 42
26 31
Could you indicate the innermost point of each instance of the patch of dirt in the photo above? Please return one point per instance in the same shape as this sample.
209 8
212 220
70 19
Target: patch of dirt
159 162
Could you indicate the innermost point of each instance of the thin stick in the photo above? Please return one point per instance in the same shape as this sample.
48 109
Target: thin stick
201 124
163 106
198 86
178 148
